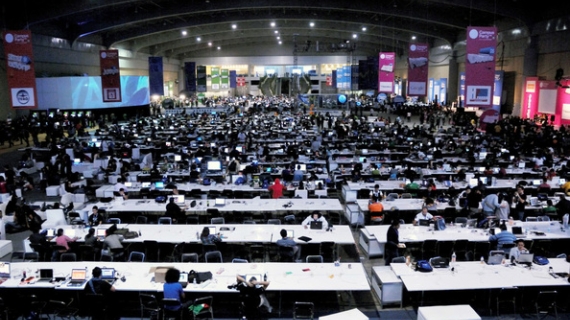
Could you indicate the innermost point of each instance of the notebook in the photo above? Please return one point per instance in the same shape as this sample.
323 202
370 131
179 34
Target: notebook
306 239
101 232
46 275
78 278
525 258
108 274
495 259
316 225
518 232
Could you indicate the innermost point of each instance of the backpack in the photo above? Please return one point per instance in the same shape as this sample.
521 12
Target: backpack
423 266
232 166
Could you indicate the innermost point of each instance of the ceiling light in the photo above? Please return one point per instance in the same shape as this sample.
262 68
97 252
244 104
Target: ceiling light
280 42
219 48
276 32
234 26
312 24
209 44
413 37
273 24
184 32
198 39
516 31
363 28
278 38
354 36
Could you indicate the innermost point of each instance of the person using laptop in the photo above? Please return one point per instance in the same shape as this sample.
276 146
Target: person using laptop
113 243
423 215
40 240
314 217
95 218
503 237
276 189
287 241
62 240
208 238
174 211
172 289
517 250
121 185
375 209
96 285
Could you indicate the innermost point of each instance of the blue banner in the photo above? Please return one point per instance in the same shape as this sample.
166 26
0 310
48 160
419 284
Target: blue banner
431 89
190 76
334 79
233 77
442 91
155 76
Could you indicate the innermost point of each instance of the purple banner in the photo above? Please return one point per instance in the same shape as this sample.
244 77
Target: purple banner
155 76
480 66
418 69
190 76
233 79
386 66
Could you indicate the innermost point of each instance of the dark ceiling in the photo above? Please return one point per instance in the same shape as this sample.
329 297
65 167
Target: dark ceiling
158 27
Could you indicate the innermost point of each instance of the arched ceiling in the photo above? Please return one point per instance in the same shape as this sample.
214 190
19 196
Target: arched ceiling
196 28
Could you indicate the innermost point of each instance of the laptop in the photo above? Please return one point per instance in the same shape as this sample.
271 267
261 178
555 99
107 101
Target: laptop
525 258
495 259
212 229
78 278
4 270
424 222
518 232
46 275
108 274
291 233
258 277
69 232
220 202
316 225
183 279
101 233
179 199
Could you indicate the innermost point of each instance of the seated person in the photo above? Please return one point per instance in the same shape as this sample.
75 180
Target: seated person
208 238
423 215
253 295
550 208
503 237
98 286
276 189
113 243
123 194
172 289
62 240
95 218
431 204
298 175
412 185
375 209
286 241
517 250
316 216
376 194
174 211
544 186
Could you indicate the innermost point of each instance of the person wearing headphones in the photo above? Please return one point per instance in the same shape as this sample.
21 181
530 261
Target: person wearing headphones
316 216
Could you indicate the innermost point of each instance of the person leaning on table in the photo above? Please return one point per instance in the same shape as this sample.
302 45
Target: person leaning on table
517 250
315 216
392 242
503 237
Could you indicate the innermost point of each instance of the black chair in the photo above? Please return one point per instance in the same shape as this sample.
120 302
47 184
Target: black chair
136 256
63 309
41 250
429 249
86 253
31 257
68 257
400 259
303 310
328 251
96 306
507 295
171 303
545 304
189 257
257 253
151 250
209 311
149 305
213 256
314 259
141 220
286 254
106 257
192 220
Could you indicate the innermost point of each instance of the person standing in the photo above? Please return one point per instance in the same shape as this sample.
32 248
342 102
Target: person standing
392 242
519 199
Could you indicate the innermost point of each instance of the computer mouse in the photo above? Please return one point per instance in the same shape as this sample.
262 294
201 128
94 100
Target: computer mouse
123 278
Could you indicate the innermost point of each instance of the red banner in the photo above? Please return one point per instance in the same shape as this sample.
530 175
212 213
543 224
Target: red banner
329 81
530 102
480 66
240 81
20 69
386 66
418 69
110 75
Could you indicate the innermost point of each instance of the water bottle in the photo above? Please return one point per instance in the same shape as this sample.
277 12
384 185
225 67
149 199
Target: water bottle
265 276
194 282
482 260
208 203
453 258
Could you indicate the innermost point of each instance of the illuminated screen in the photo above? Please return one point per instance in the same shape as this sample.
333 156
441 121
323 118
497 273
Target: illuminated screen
214 165
86 93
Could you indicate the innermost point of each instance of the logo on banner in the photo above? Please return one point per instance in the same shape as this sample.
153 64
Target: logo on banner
112 94
22 97
240 82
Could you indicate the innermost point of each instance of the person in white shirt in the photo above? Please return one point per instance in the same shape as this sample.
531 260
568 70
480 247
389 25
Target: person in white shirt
120 185
316 216
516 251
423 215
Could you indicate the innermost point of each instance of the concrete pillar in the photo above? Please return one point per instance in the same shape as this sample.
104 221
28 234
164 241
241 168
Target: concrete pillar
453 78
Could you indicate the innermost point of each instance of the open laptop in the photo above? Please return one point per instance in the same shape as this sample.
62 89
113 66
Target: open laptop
46 275
78 278
525 258
518 232
101 233
424 222
183 279
108 274
316 225
4 270
220 202
495 259
258 277
179 199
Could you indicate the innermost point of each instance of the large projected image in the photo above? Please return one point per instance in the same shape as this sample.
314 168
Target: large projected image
85 93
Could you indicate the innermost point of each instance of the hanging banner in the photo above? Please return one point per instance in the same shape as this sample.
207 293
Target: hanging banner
334 79
233 76
110 75
20 69
215 74
386 66
339 78
190 76
225 81
442 91
418 69
155 76
240 81
461 88
201 79
480 66
497 88
431 89
530 102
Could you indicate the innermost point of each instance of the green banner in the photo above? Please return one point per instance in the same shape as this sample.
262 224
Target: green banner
201 81
215 78
225 78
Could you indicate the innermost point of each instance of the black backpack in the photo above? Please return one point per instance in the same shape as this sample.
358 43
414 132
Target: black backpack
232 166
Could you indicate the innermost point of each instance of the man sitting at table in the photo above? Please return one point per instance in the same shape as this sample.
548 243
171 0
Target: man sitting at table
376 194
95 218
315 216
120 185
375 209
174 211
503 238
423 215
516 251
412 185
96 285
286 241
276 189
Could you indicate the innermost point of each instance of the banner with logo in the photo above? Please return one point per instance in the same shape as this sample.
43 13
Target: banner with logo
155 76
215 74
201 79
110 75
442 91
497 88
233 79
530 102
480 66
20 69
225 79
190 76
386 67
547 96
240 81
418 55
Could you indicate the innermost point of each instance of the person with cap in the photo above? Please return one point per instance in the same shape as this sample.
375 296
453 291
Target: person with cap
314 217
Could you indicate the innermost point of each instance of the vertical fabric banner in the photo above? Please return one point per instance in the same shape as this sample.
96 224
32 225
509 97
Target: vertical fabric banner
386 66
461 88
339 78
190 76
334 78
225 81
480 66
155 76
431 89
20 69
418 69
498 89
215 74
442 90
233 79
201 79
530 102
110 75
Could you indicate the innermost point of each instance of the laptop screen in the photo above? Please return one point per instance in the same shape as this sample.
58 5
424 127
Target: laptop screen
4 270
316 224
107 273
78 274
145 185
69 232
179 199
517 230
50 233
159 185
290 233
525 258
220 201
212 229
46 273
101 232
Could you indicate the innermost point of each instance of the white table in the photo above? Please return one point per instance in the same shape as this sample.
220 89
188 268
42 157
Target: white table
387 285
352 314
457 312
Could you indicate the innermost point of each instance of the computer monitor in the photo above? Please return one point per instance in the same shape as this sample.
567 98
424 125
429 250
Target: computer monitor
239 149
214 166
107 273
536 182
50 233
473 182
159 185
303 167
522 165
482 155
483 180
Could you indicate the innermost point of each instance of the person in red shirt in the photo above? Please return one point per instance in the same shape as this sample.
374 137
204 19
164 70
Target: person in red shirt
276 189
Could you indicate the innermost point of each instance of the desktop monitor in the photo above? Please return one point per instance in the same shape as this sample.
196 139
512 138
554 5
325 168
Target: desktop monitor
214 166
4 270
159 185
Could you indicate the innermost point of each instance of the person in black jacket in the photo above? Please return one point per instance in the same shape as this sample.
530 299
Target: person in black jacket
392 242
